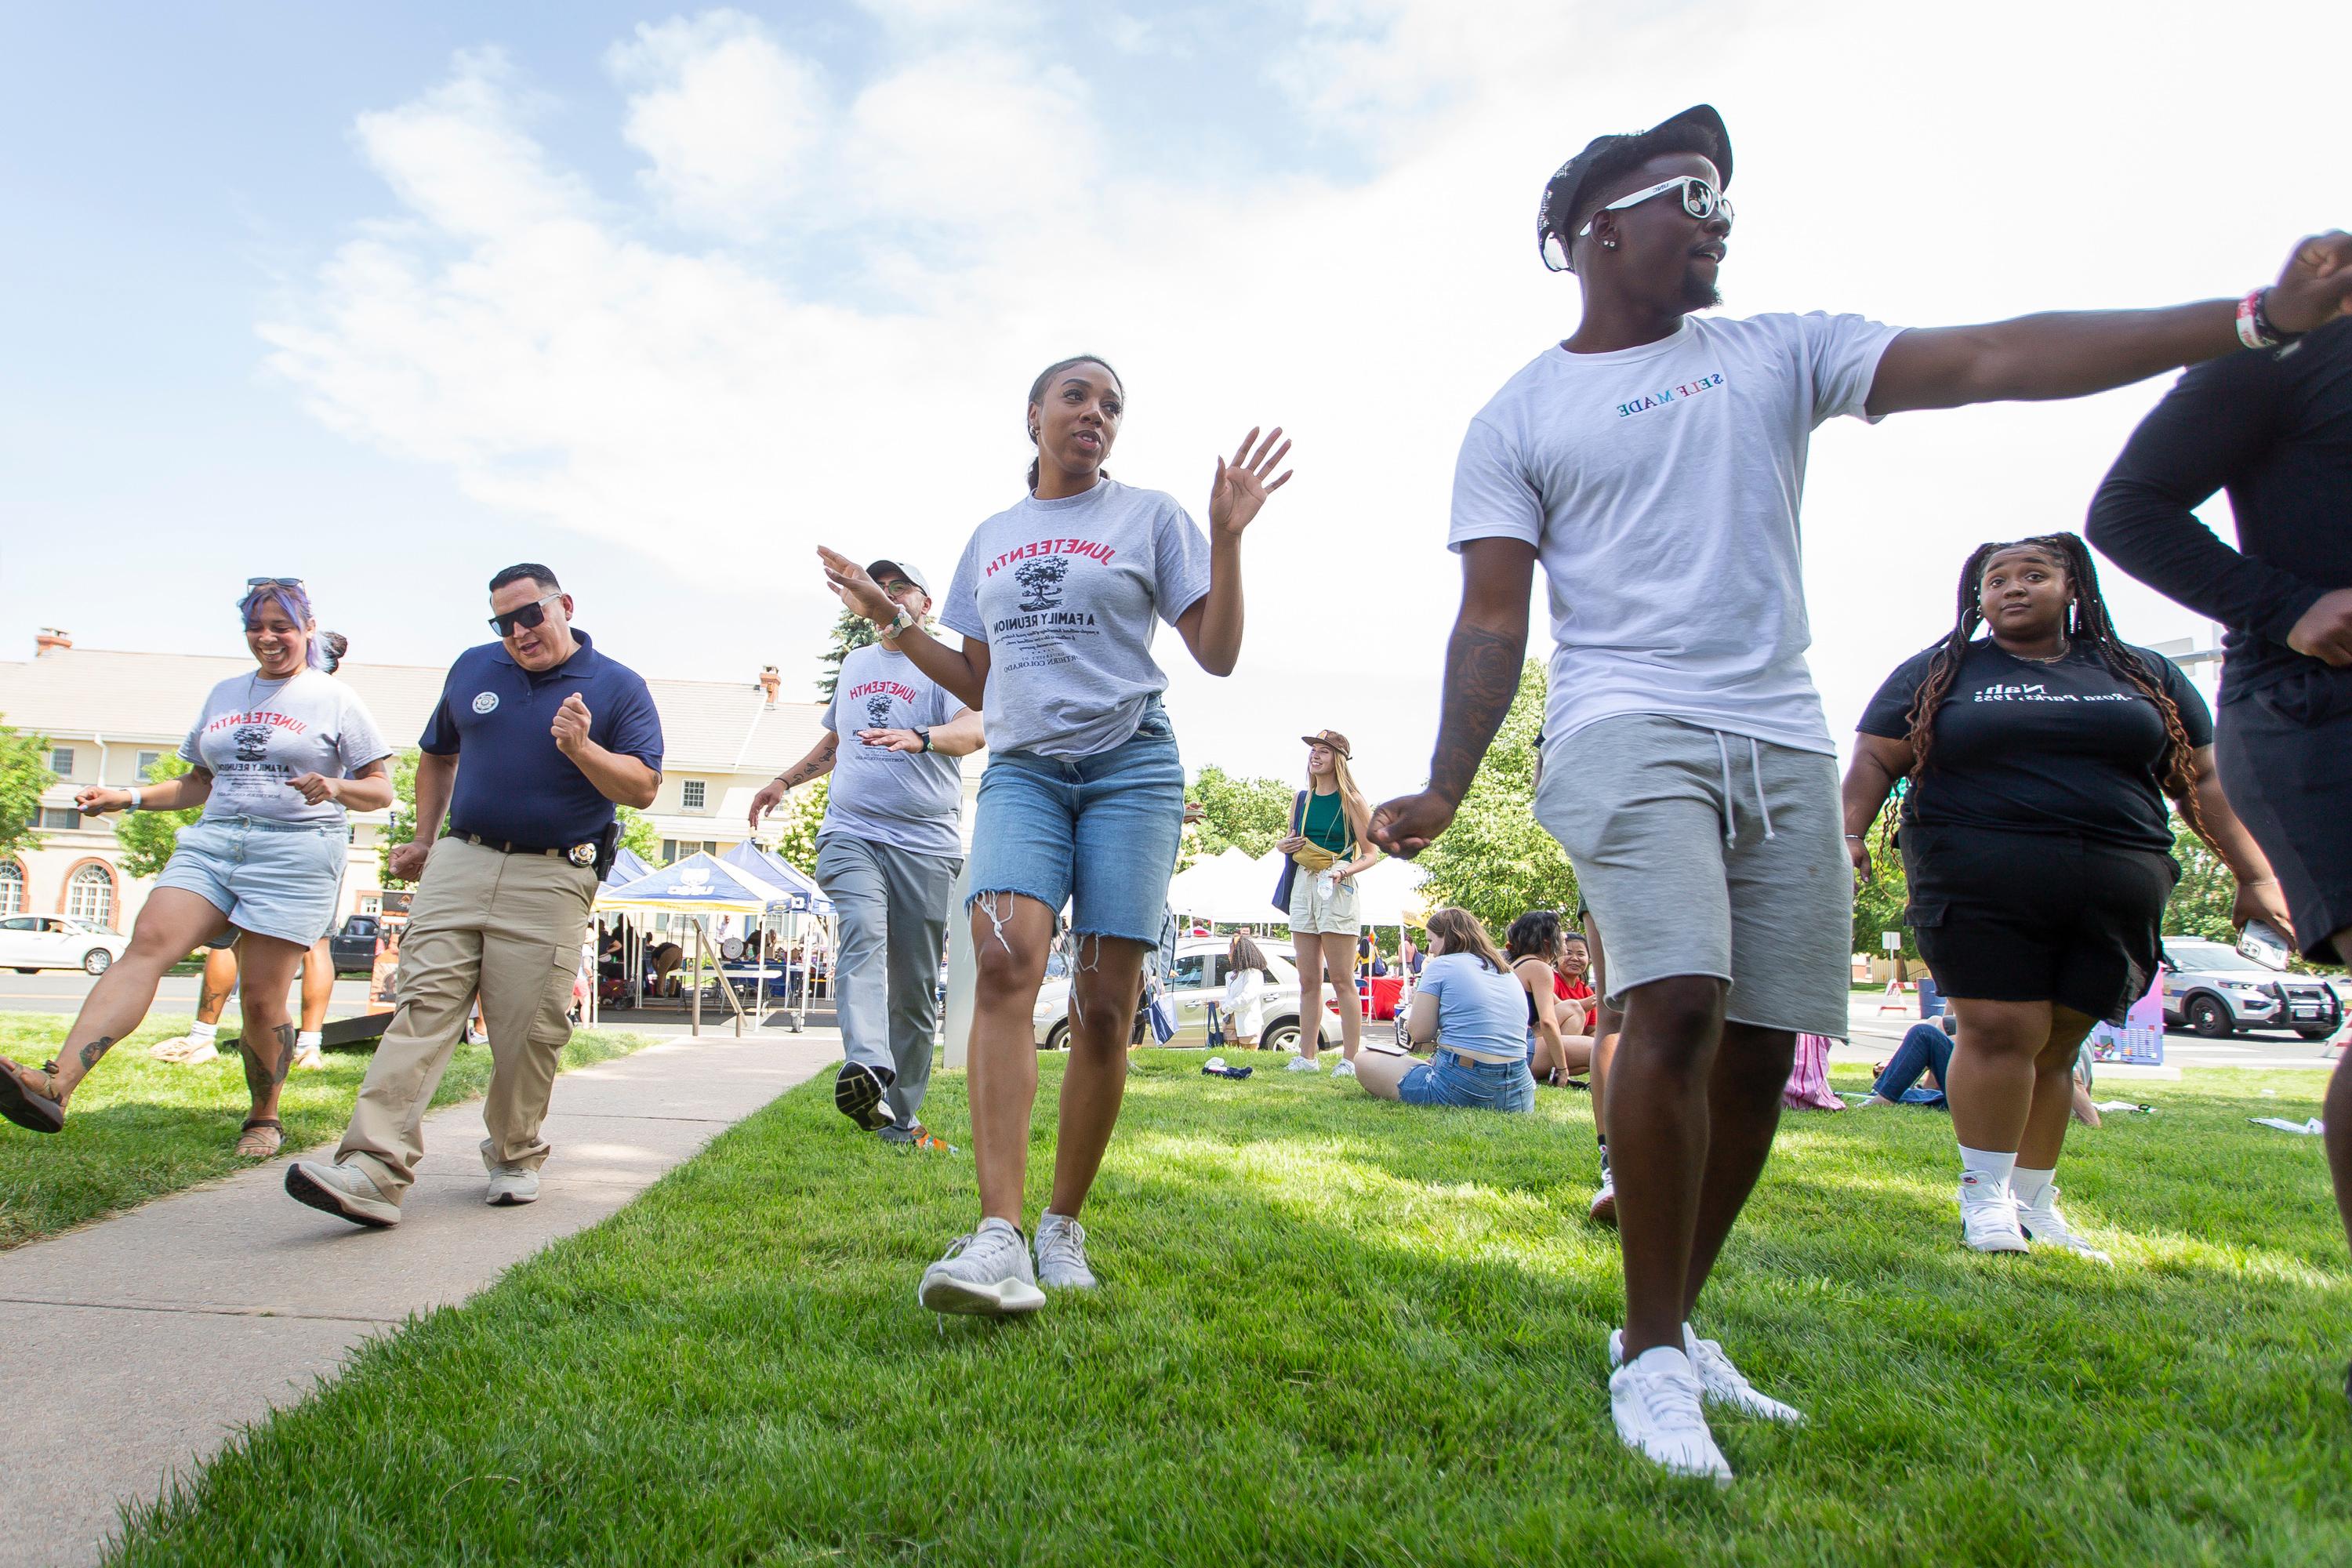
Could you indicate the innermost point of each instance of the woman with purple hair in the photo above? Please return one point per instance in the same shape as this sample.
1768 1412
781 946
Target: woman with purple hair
276 758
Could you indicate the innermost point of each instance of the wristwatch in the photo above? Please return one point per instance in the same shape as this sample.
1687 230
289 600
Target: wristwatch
905 618
926 734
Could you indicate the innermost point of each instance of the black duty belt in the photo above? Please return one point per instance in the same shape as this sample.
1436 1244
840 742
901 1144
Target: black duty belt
581 854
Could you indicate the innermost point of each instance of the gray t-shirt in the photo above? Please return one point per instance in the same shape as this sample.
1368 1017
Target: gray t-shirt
255 737
1063 593
907 799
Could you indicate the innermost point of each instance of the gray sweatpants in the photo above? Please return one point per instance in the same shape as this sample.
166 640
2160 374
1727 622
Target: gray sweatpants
892 905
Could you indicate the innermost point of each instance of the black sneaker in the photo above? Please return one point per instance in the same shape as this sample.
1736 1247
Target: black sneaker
858 1094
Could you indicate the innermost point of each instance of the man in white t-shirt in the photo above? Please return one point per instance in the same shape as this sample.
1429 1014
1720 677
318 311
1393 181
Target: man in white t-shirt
1654 461
886 854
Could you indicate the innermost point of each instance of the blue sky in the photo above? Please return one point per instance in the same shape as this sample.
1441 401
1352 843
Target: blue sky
390 295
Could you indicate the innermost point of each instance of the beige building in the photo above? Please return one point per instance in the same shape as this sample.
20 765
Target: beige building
108 715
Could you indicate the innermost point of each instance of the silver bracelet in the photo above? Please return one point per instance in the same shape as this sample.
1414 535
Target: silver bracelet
138 797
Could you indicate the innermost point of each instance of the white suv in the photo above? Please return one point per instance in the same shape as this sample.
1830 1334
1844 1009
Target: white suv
2217 991
1197 979
31 943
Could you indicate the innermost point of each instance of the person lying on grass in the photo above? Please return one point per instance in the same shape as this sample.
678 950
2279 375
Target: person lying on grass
1473 1010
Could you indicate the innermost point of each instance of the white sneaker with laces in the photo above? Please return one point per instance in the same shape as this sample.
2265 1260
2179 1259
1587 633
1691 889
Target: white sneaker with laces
1604 1202
1303 1064
1655 1400
1988 1219
511 1186
987 1273
2045 1226
1344 1069
345 1190
1062 1254
1725 1384
310 1059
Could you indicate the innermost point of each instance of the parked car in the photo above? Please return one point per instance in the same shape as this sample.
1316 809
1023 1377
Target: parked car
2214 989
1197 979
353 947
31 943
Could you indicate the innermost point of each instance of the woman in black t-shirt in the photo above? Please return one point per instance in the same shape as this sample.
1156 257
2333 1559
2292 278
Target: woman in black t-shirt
2037 843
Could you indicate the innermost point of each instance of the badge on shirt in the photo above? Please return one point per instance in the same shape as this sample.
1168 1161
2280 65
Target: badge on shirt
484 702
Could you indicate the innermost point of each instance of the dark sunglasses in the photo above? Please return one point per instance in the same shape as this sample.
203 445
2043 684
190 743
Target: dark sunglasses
529 616
273 582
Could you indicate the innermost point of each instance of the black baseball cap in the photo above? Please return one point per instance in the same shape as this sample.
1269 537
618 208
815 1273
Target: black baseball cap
1555 239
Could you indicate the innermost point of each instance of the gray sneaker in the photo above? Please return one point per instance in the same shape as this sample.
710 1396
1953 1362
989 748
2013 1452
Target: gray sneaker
345 1190
986 1273
1062 1254
512 1184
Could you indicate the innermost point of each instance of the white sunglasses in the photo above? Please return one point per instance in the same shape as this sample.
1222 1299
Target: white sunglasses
1700 199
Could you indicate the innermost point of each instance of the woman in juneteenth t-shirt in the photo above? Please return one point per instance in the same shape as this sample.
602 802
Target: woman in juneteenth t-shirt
277 757
1083 801
2037 844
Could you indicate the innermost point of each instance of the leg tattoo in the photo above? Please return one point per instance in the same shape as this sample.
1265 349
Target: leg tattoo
261 1077
95 1049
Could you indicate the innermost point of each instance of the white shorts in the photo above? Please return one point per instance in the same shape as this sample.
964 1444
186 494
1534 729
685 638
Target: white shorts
1312 914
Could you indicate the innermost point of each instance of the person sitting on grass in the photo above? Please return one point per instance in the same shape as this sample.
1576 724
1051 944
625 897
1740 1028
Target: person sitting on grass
1534 947
1926 1052
1473 1009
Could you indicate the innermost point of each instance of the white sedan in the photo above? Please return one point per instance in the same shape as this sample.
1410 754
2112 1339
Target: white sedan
30 942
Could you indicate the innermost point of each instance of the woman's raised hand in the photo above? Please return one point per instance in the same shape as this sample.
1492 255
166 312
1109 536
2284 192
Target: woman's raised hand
859 591
1242 485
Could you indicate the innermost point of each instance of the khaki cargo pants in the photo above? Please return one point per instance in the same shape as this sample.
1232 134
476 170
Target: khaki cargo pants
508 925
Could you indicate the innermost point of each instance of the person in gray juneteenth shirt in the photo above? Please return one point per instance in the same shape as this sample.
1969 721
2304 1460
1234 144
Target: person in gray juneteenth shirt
886 854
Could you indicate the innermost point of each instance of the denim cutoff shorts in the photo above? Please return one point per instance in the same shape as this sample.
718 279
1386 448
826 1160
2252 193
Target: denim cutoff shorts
1098 832
1450 1080
272 878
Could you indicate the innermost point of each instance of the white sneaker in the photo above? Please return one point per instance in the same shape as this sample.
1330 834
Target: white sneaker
1655 1401
1303 1064
511 1186
310 1059
1988 1219
1724 1383
2045 1226
1344 1069
475 1037
345 1190
1062 1254
1604 1202
172 1050
987 1272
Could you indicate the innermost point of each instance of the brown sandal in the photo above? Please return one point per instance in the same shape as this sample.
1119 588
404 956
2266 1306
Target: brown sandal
259 1138
36 1110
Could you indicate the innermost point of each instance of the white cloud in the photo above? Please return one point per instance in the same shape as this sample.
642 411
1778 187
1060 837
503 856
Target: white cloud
726 413
728 117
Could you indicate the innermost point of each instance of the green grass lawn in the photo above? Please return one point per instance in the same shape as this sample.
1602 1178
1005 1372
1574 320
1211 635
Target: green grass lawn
139 1128
1337 1331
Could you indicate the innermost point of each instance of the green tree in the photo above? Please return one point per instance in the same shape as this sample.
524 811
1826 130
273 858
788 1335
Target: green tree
148 838
1495 860
1878 903
402 828
24 775
2203 899
797 822
1236 812
638 833
851 631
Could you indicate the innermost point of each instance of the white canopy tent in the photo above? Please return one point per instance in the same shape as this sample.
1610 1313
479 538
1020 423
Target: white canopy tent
1230 888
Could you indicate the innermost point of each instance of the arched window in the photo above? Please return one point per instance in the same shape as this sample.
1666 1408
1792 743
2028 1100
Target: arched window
12 888
89 895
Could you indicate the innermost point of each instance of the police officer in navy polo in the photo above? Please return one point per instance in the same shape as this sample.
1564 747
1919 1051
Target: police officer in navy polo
552 734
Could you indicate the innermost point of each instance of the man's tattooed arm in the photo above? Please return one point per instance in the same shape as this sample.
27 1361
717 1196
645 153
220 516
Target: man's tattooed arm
1482 676
818 762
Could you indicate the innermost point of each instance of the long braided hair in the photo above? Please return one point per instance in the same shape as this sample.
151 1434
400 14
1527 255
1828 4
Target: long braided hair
2088 624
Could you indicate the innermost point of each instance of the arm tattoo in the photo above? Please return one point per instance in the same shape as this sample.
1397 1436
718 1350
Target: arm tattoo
95 1049
1482 676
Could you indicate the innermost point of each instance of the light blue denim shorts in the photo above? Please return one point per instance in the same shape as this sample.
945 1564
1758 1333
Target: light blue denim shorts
1098 832
1449 1079
272 878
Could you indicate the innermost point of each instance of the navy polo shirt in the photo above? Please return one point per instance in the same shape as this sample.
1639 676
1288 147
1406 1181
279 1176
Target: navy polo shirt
498 719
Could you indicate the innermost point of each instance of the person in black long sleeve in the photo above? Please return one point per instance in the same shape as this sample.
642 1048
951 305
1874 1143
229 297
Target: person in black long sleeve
2275 430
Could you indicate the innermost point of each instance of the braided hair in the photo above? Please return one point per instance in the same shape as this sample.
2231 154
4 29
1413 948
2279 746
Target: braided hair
2088 624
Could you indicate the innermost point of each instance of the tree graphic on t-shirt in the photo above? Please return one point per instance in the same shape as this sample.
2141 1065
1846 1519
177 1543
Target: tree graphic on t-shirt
252 744
877 711
1040 582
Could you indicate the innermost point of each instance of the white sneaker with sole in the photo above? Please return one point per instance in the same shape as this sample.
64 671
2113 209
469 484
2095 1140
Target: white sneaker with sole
511 1186
1989 1220
1062 1254
1303 1064
308 1058
2045 1226
1724 1383
1655 1400
1604 1202
345 1190
987 1273
1344 1069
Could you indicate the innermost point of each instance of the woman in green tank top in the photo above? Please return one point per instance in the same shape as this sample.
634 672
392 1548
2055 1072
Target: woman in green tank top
1330 842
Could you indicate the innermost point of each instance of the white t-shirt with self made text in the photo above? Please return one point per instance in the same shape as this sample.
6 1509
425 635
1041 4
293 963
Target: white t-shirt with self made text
910 800
1065 594
1660 485
256 736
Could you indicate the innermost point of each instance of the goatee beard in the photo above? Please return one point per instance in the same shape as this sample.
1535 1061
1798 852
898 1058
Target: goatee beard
1698 296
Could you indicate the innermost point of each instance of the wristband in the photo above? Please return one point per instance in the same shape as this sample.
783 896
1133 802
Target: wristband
136 798
2256 327
926 739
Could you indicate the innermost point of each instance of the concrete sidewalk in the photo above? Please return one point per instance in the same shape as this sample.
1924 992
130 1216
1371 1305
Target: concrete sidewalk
133 1347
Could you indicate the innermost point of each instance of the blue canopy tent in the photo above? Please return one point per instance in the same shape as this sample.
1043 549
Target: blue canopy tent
628 866
804 897
700 886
